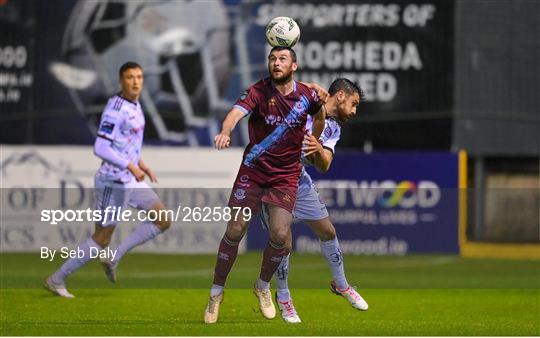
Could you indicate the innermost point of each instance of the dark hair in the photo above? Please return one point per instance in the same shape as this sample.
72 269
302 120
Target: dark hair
291 51
347 86
128 65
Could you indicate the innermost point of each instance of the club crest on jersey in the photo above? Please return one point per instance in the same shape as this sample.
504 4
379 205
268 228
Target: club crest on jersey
327 133
272 101
240 194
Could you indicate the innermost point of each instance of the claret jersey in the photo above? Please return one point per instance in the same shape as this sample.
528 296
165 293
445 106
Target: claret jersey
276 125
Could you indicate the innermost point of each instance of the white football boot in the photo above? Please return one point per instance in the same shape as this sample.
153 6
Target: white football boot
109 268
351 295
266 305
212 309
57 289
288 312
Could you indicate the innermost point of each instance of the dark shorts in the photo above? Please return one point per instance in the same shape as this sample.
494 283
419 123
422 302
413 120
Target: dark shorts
252 187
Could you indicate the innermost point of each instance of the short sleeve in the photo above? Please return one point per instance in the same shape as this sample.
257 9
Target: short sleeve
314 103
248 101
110 123
330 136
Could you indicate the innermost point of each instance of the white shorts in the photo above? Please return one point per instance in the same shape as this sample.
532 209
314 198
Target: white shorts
114 194
309 205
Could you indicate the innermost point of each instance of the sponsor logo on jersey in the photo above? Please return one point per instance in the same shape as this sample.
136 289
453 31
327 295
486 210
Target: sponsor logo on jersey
106 127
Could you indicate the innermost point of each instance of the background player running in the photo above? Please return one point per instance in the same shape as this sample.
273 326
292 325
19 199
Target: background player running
119 180
340 107
278 107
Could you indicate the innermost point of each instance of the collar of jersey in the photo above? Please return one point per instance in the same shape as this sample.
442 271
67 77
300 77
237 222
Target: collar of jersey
335 120
291 94
126 99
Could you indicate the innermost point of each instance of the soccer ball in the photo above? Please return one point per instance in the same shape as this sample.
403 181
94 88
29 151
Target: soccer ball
282 31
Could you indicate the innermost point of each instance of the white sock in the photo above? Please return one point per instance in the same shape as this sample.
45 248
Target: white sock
72 264
216 290
282 276
331 251
144 232
262 285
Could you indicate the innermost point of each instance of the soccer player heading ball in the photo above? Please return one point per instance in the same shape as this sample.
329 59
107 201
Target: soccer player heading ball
278 108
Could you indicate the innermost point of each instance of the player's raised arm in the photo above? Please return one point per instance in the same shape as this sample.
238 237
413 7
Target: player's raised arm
223 139
321 92
318 122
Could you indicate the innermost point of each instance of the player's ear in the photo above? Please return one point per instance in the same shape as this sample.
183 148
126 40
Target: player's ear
340 95
294 66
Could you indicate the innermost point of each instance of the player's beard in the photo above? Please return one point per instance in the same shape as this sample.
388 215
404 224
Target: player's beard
287 76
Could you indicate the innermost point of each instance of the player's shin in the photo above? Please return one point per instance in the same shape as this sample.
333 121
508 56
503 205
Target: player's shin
227 252
282 276
332 252
144 232
272 257
72 264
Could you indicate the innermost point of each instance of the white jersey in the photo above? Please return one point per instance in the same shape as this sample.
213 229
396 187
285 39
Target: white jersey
331 132
309 205
122 123
329 136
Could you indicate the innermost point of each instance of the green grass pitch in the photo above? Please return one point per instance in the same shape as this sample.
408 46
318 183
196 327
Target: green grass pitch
166 295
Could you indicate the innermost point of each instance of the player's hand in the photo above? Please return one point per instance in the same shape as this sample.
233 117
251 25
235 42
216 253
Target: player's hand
222 141
321 92
311 145
151 174
136 171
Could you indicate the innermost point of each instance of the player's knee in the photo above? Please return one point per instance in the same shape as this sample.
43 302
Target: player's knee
163 224
235 231
280 237
328 234
102 241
